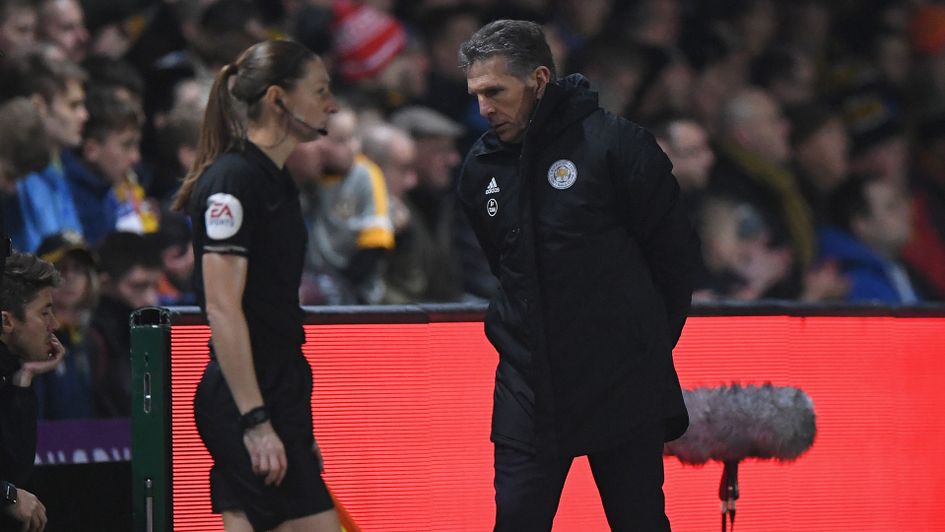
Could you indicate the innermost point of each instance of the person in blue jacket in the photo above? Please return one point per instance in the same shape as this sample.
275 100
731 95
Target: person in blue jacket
870 224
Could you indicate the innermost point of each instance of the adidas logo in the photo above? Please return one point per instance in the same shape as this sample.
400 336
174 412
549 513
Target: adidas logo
493 187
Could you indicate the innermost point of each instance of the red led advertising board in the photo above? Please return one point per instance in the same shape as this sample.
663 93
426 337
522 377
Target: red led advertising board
402 416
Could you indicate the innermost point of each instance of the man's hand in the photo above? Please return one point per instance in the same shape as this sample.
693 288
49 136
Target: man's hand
266 452
24 376
29 511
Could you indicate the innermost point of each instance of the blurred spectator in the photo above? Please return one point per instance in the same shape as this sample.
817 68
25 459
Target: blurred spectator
345 202
104 185
24 148
62 23
130 273
752 166
655 23
737 261
821 153
118 77
872 224
686 143
926 252
578 21
879 143
365 40
446 28
114 26
205 35
395 153
65 393
617 67
720 70
787 74
748 25
177 261
375 55
425 265
17 26
43 204
404 80
893 58
176 153
666 85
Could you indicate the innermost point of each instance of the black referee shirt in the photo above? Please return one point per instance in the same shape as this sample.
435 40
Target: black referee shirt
243 204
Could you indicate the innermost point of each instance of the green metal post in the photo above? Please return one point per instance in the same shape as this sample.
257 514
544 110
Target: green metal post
151 419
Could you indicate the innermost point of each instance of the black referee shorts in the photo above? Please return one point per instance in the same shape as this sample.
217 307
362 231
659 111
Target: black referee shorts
287 391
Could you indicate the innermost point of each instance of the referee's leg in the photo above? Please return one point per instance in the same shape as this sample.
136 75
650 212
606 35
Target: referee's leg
630 481
527 491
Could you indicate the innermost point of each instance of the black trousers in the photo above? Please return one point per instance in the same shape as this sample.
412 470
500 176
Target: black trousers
629 478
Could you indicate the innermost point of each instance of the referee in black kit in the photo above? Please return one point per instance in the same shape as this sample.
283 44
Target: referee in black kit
252 406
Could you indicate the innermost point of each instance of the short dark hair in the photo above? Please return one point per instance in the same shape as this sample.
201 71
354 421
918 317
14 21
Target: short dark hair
109 114
520 42
849 202
24 275
120 252
106 72
30 73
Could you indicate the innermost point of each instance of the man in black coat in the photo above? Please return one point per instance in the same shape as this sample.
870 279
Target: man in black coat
579 216
28 348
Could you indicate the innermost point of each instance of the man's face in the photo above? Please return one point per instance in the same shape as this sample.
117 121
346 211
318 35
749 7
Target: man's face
436 158
115 155
505 100
339 147
139 287
692 158
766 132
67 116
826 154
30 337
889 225
18 31
75 282
65 27
400 170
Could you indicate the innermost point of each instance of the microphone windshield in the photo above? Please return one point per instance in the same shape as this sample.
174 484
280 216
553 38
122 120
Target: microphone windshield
730 423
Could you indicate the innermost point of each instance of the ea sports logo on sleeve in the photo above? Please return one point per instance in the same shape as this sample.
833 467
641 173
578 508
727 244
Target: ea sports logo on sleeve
562 174
223 217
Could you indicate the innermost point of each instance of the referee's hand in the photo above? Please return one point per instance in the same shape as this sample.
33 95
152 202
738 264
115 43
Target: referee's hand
266 453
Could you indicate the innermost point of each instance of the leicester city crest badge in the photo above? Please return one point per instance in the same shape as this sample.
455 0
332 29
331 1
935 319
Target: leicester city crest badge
562 174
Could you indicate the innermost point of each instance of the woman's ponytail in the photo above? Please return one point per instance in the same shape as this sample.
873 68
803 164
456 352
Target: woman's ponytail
221 130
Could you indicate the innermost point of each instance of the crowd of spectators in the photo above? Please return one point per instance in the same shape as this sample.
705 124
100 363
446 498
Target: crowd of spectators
807 136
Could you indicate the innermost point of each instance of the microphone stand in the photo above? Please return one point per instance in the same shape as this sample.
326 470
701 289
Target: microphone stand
728 492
